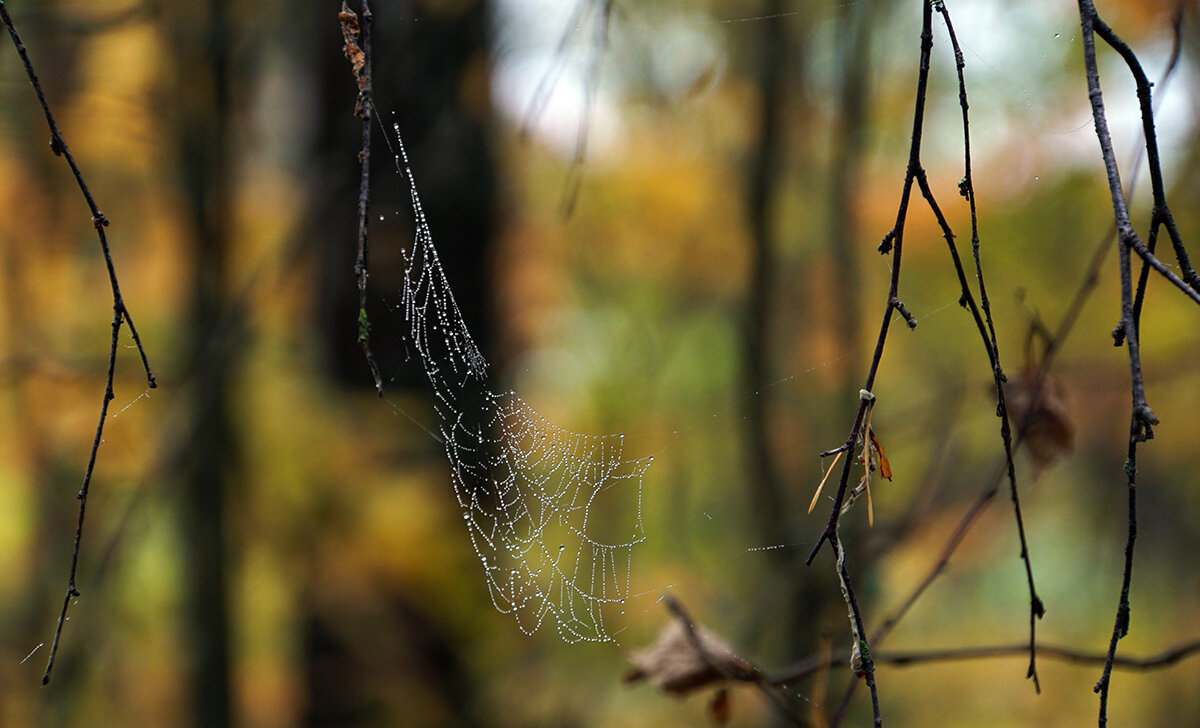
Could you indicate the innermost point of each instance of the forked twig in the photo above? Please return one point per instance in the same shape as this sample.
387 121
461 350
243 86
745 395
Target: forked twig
1142 418
1054 345
120 315
893 243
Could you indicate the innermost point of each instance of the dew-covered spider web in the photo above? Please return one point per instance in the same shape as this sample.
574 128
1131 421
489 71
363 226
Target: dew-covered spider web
553 515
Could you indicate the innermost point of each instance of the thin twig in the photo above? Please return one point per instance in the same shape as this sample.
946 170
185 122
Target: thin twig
1128 238
982 320
1161 214
1142 418
1054 345
1036 608
603 12
861 660
1121 623
893 242
1166 658
967 188
356 32
120 315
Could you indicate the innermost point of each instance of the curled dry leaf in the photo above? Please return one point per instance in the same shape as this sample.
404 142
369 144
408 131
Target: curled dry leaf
885 468
683 660
1041 417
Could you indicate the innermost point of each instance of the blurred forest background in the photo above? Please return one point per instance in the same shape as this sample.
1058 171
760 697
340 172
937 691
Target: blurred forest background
675 240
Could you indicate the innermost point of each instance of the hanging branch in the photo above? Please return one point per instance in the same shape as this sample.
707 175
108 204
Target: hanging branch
893 242
1142 418
1054 345
967 189
357 37
981 313
1156 171
120 315
982 317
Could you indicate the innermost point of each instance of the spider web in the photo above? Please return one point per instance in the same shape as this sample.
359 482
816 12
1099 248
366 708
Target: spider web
542 504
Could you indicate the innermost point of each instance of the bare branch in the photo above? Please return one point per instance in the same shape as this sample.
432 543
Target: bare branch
120 315
356 32
988 335
1164 659
1142 418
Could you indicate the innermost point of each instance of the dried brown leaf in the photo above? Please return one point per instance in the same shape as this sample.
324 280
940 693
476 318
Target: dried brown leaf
885 468
684 660
1042 418
870 503
825 477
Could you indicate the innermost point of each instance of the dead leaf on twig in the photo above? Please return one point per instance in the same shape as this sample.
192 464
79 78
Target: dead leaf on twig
825 477
871 457
684 659
1041 416
885 468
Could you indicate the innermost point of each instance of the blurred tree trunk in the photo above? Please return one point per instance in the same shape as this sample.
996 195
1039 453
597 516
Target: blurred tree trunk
802 598
853 60
806 596
203 36
762 182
